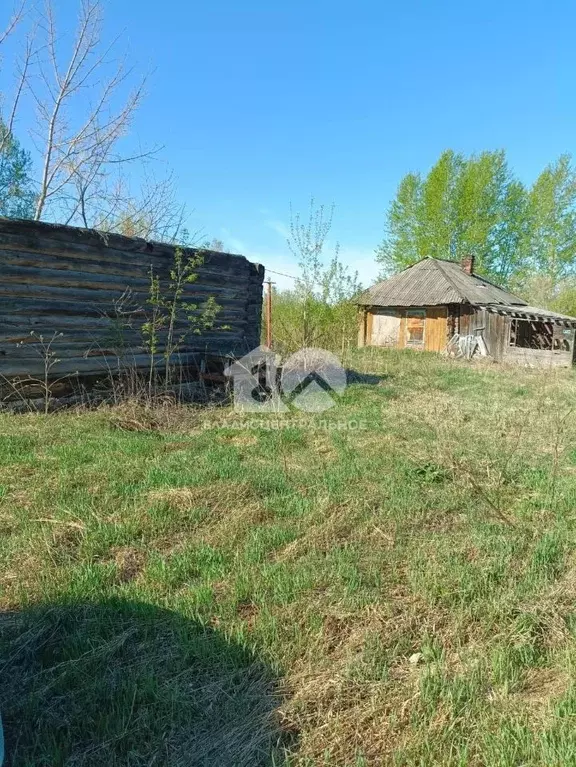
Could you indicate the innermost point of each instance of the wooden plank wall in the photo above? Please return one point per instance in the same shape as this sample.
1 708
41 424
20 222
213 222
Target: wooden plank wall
494 328
496 334
435 334
92 288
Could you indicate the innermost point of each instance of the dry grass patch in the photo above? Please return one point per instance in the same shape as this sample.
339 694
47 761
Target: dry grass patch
129 562
541 688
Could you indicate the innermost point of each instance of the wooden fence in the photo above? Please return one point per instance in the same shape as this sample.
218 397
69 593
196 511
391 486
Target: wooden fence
87 294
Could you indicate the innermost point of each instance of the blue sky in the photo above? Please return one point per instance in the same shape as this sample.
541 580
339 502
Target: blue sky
260 104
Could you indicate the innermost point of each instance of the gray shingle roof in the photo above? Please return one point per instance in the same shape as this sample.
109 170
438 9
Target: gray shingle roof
433 282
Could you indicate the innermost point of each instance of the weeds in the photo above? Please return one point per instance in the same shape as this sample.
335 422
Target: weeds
171 319
44 349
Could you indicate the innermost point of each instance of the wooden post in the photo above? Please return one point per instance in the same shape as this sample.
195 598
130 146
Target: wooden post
269 313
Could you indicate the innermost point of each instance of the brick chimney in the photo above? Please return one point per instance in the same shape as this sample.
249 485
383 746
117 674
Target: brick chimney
467 264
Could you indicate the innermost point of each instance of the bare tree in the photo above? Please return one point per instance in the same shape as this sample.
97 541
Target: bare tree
14 21
153 212
85 106
82 114
216 245
22 67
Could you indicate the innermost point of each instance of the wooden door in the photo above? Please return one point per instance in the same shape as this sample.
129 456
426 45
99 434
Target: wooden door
385 329
436 329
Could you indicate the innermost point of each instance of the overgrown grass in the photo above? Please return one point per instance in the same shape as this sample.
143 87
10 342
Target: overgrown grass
179 590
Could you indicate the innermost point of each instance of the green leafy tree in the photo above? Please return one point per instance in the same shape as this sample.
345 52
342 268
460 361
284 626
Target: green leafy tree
437 210
17 197
552 222
508 257
401 246
464 206
171 318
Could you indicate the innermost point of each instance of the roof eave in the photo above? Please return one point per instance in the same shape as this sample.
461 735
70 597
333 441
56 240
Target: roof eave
532 313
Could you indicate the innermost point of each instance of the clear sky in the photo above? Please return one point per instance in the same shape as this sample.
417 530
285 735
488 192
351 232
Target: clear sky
260 103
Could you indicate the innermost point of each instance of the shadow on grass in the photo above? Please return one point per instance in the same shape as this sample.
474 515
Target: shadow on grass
126 683
369 379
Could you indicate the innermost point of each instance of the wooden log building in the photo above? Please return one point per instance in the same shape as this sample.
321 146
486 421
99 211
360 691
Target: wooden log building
86 293
424 306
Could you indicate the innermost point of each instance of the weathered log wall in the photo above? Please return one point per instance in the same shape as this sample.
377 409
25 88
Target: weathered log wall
91 289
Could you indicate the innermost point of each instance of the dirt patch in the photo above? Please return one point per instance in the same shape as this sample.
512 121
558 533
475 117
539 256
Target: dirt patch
227 510
66 540
552 606
247 612
130 563
174 447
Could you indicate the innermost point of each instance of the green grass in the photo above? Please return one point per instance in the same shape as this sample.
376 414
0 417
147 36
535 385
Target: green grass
196 593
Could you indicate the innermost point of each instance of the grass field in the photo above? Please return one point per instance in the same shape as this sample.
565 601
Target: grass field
176 590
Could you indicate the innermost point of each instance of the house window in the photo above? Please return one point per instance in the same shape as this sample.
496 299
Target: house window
415 323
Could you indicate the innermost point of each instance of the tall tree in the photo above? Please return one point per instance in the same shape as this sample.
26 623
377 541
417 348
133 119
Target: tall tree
85 98
508 256
17 196
552 221
20 69
401 246
437 224
464 206
78 135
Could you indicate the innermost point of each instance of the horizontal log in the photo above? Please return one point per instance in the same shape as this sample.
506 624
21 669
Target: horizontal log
80 366
63 351
159 258
66 262
73 234
103 261
91 331
72 279
79 350
12 309
68 269
193 294
97 326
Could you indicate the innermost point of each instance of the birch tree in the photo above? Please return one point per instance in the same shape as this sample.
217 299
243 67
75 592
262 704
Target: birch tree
21 68
17 198
13 22
552 217
86 98
85 106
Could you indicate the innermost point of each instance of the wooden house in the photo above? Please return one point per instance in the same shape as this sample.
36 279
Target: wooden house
426 305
